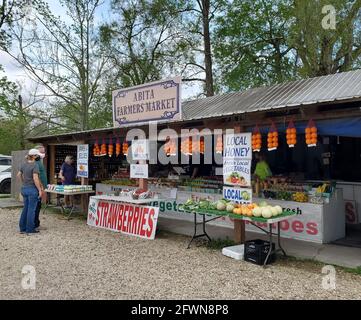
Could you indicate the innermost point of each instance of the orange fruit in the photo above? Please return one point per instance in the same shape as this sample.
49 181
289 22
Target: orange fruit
313 130
314 135
293 130
288 136
294 141
288 130
275 134
308 141
308 136
269 140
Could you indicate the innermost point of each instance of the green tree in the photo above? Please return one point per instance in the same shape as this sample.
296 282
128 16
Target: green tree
322 50
251 44
145 40
64 57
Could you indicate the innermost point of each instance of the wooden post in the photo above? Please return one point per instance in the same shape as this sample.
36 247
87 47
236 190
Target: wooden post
239 225
51 170
84 197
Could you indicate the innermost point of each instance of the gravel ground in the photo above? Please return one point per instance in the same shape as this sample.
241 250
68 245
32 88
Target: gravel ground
74 261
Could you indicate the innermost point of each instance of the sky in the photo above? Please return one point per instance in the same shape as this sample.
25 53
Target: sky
18 75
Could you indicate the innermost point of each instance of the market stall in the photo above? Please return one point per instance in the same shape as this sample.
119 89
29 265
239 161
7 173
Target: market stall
297 126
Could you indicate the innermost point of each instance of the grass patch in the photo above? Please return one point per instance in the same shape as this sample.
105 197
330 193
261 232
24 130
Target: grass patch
57 211
352 270
219 244
313 264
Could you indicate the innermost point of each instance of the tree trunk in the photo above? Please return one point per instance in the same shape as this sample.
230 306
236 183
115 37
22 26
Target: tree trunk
207 48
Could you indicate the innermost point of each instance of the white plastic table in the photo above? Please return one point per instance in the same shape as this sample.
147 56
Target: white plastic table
72 193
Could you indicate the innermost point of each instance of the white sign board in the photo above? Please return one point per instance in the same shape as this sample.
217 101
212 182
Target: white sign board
82 161
237 172
237 156
131 219
139 171
155 101
140 150
237 195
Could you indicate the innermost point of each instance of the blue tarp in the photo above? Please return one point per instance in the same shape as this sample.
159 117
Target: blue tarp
347 127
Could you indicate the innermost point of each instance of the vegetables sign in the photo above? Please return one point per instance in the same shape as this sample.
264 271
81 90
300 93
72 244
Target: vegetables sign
237 156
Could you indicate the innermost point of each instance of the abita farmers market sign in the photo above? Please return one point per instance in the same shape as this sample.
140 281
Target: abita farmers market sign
155 101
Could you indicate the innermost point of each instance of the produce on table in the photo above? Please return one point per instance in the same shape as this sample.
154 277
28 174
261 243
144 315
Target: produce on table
257 212
266 212
230 207
221 205
263 204
249 210
140 194
300 197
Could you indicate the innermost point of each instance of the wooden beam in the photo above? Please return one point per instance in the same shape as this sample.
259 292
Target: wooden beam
239 225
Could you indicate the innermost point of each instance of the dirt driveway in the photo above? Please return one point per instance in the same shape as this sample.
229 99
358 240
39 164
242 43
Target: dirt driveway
74 261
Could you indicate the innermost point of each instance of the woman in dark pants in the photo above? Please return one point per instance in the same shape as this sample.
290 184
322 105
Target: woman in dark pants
31 191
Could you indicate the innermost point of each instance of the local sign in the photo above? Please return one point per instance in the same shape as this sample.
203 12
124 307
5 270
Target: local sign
155 101
237 156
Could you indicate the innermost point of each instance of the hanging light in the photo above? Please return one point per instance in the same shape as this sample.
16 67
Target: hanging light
125 148
167 146
103 148
291 134
201 146
272 138
173 148
219 145
256 140
186 146
96 149
110 147
311 134
117 147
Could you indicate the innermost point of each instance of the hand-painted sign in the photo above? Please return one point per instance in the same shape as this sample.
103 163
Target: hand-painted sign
155 101
140 149
237 172
237 195
139 171
238 146
82 161
140 221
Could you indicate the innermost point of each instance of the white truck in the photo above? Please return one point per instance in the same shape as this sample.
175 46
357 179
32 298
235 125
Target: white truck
5 174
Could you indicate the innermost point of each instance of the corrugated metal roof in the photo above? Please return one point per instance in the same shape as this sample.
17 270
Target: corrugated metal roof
340 86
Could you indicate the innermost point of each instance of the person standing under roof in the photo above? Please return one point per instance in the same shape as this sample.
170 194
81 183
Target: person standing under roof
43 180
31 192
262 170
67 175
